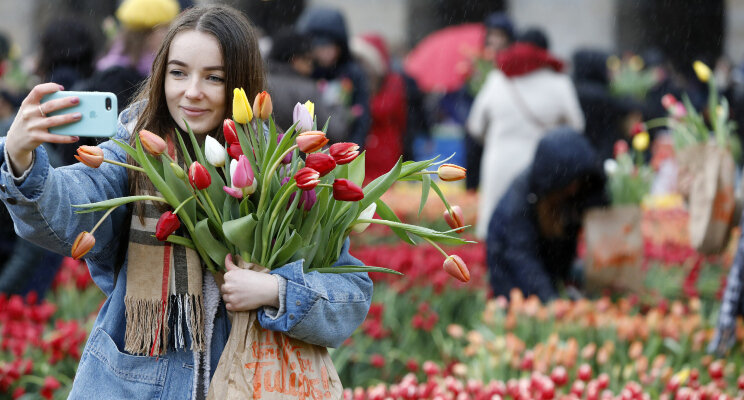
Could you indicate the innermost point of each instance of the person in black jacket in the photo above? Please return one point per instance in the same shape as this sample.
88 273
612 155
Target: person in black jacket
335 66
532 234
604 113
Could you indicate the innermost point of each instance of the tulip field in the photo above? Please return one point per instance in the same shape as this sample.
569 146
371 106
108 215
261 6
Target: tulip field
429 336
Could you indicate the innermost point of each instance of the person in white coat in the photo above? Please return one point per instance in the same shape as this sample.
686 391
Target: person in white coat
523 99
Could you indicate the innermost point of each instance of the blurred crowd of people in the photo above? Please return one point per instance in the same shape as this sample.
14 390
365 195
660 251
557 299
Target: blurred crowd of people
535 128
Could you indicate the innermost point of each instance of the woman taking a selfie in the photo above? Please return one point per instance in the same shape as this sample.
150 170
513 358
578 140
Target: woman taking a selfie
207 52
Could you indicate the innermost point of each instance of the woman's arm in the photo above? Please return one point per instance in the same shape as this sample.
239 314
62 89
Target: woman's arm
319 308
41 202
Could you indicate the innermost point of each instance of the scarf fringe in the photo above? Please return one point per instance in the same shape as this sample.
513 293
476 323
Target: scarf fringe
142 318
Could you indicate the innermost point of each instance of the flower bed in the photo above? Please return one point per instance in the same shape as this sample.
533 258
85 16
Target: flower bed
430 336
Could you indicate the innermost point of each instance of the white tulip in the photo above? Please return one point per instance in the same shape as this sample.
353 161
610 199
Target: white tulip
610 166
368 213
214 152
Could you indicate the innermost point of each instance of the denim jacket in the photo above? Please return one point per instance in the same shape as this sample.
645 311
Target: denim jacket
322 309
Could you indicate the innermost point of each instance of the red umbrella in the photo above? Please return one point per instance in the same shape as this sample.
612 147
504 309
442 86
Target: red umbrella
441 60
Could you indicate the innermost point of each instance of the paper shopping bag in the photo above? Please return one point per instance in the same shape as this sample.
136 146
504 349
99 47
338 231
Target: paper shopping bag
261 364
614 249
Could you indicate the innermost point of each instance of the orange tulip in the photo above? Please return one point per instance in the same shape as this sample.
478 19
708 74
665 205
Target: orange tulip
262 106
91 156
451 172
153 143
455 266
82 245
455 220
311 141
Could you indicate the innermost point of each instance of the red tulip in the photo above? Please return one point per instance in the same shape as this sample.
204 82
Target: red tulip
167 224
377 361
715 369
311 141
621 147
231 134
153 143
199 176
346 190
455 266
91 156
50 385
585 372
321 162
307 178
668 101
637 128
82 245
559 376
235 151
456 220
262 106
344 153
451 172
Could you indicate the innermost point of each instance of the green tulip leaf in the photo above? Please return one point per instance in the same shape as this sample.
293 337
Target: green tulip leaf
379 186
425 186
106 204
180 240
356 170
343 269
129 149
288 249
384 211
214 249
240 232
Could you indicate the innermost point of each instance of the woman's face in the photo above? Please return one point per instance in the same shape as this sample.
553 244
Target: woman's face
195 81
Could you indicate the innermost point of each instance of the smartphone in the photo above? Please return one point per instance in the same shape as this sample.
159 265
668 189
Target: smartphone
99 114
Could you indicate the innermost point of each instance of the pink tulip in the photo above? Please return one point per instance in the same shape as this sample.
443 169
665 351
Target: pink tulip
243 175
153 143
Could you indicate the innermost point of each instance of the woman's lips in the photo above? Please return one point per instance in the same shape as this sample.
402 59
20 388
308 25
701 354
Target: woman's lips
193 111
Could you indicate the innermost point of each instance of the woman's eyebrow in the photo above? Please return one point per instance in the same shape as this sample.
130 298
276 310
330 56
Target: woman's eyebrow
210 68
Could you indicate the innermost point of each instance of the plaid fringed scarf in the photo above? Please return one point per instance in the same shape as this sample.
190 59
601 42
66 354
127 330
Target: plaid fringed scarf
164 291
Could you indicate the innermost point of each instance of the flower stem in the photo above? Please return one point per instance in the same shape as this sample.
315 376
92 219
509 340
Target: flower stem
110 210
267 176
436 246
125 165
183 203
214 210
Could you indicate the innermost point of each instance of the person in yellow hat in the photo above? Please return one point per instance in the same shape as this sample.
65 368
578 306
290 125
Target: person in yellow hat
143 26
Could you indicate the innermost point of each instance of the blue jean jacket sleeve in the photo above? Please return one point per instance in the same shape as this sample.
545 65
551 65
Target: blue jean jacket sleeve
41 205
320 308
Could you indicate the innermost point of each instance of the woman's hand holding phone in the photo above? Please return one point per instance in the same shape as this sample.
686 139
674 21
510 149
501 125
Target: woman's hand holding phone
31 125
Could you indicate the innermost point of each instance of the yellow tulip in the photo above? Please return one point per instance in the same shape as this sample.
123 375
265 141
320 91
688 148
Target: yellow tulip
635 63
613 63
242 112
310 107
702 71
641 141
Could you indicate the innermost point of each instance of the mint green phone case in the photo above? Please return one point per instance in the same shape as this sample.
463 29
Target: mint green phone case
99 111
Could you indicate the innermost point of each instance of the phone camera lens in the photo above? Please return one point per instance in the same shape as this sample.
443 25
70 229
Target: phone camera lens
108 104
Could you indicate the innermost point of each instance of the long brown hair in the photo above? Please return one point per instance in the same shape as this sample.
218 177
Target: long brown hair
243 68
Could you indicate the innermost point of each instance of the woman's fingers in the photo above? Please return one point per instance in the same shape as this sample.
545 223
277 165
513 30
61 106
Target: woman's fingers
41 90
57 120
52 138
59 104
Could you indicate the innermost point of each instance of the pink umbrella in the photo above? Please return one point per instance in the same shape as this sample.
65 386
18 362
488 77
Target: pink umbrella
440 62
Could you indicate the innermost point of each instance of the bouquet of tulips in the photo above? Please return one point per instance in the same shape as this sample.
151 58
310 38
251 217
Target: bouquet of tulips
273 197
629 178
